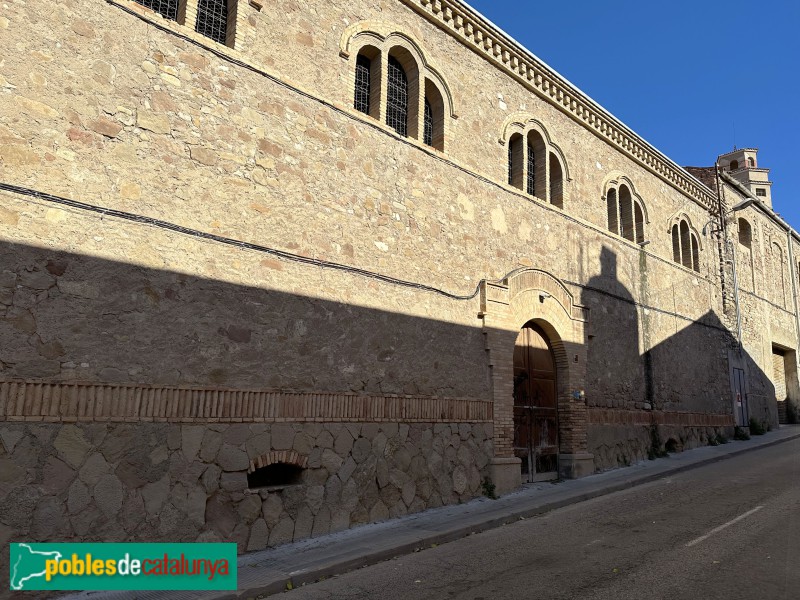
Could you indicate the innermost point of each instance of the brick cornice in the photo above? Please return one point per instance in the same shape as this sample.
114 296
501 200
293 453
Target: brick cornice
485 39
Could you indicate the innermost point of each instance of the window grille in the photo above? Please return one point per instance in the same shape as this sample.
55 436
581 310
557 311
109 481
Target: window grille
166 8
510 164
428 137
212 19
361 95
397 97
531 181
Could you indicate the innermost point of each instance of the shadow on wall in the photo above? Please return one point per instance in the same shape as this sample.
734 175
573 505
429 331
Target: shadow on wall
67 317
678 393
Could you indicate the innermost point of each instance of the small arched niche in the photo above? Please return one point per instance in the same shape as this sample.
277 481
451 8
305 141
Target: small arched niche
276 475
745 234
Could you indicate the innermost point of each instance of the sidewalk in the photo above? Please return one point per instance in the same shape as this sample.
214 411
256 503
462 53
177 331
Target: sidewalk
269 571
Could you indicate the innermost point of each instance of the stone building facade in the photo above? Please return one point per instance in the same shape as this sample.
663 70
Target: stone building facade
281 269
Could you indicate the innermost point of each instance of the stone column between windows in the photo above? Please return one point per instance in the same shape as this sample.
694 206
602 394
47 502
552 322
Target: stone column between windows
383 88
546 195
190 14
524 185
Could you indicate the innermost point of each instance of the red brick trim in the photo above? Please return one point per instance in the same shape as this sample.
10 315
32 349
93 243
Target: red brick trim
288 457
70 402
610 416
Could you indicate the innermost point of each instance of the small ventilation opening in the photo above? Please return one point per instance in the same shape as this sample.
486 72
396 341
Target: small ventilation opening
672 446
275 475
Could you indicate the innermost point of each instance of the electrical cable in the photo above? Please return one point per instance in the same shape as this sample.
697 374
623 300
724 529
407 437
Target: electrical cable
289 256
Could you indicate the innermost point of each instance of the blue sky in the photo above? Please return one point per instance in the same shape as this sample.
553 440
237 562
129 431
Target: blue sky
683 75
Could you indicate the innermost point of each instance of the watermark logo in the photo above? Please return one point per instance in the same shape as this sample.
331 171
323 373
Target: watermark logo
122 566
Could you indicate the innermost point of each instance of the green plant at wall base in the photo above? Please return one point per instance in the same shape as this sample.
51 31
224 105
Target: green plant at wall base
757 427
721 439
488 488
741 434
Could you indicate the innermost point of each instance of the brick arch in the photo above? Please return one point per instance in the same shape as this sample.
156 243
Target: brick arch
287 457
506 306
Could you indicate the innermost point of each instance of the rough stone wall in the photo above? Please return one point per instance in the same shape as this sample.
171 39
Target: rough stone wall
617 446
185 483
137 304
103 107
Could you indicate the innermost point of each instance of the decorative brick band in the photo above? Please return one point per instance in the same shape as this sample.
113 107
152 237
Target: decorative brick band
69 402
610 416
287 457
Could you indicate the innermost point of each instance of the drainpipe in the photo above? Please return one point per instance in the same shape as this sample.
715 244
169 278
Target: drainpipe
732 248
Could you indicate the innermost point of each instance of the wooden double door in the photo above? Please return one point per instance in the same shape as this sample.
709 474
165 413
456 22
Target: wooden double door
535 405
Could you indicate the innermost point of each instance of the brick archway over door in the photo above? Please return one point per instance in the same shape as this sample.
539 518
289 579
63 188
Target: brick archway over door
535 295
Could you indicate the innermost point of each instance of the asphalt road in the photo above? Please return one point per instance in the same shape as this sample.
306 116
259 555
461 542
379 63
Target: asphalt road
727 530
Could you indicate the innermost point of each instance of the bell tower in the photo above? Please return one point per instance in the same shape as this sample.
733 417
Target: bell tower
742 164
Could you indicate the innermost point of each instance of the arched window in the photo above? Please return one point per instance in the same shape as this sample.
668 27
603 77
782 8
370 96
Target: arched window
745 234
750 162
367 93
397 97
676 244
638 216
626 213
166 8
535 174
427 137
685 246
613 211
216 19
212 19
515 156
556 182
734 165
433 117
779 282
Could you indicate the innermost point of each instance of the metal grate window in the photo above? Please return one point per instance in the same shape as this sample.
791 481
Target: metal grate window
510 164
212 19
361 95
397 97
531 182
166 8
428 133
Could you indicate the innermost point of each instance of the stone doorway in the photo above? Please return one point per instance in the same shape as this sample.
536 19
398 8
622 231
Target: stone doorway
535 405
534 297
